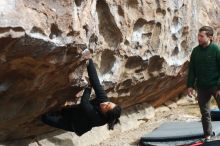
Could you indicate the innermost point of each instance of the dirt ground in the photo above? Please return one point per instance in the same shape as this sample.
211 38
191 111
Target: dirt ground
185 110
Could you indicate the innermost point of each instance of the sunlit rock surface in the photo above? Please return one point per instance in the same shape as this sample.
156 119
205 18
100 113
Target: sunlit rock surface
140 49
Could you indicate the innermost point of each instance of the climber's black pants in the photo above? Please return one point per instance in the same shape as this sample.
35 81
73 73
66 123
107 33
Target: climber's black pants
59 120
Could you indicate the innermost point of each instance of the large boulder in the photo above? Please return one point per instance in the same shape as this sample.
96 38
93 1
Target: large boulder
140 49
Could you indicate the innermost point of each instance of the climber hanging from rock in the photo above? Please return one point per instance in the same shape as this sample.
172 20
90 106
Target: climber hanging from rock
82 117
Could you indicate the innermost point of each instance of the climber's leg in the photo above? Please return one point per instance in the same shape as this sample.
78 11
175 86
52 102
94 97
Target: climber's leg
56 120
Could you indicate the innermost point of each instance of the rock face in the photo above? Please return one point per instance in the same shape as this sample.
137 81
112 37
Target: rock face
140 49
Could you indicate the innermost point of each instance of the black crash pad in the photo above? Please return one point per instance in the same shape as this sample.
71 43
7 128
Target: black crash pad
215 115
177 133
